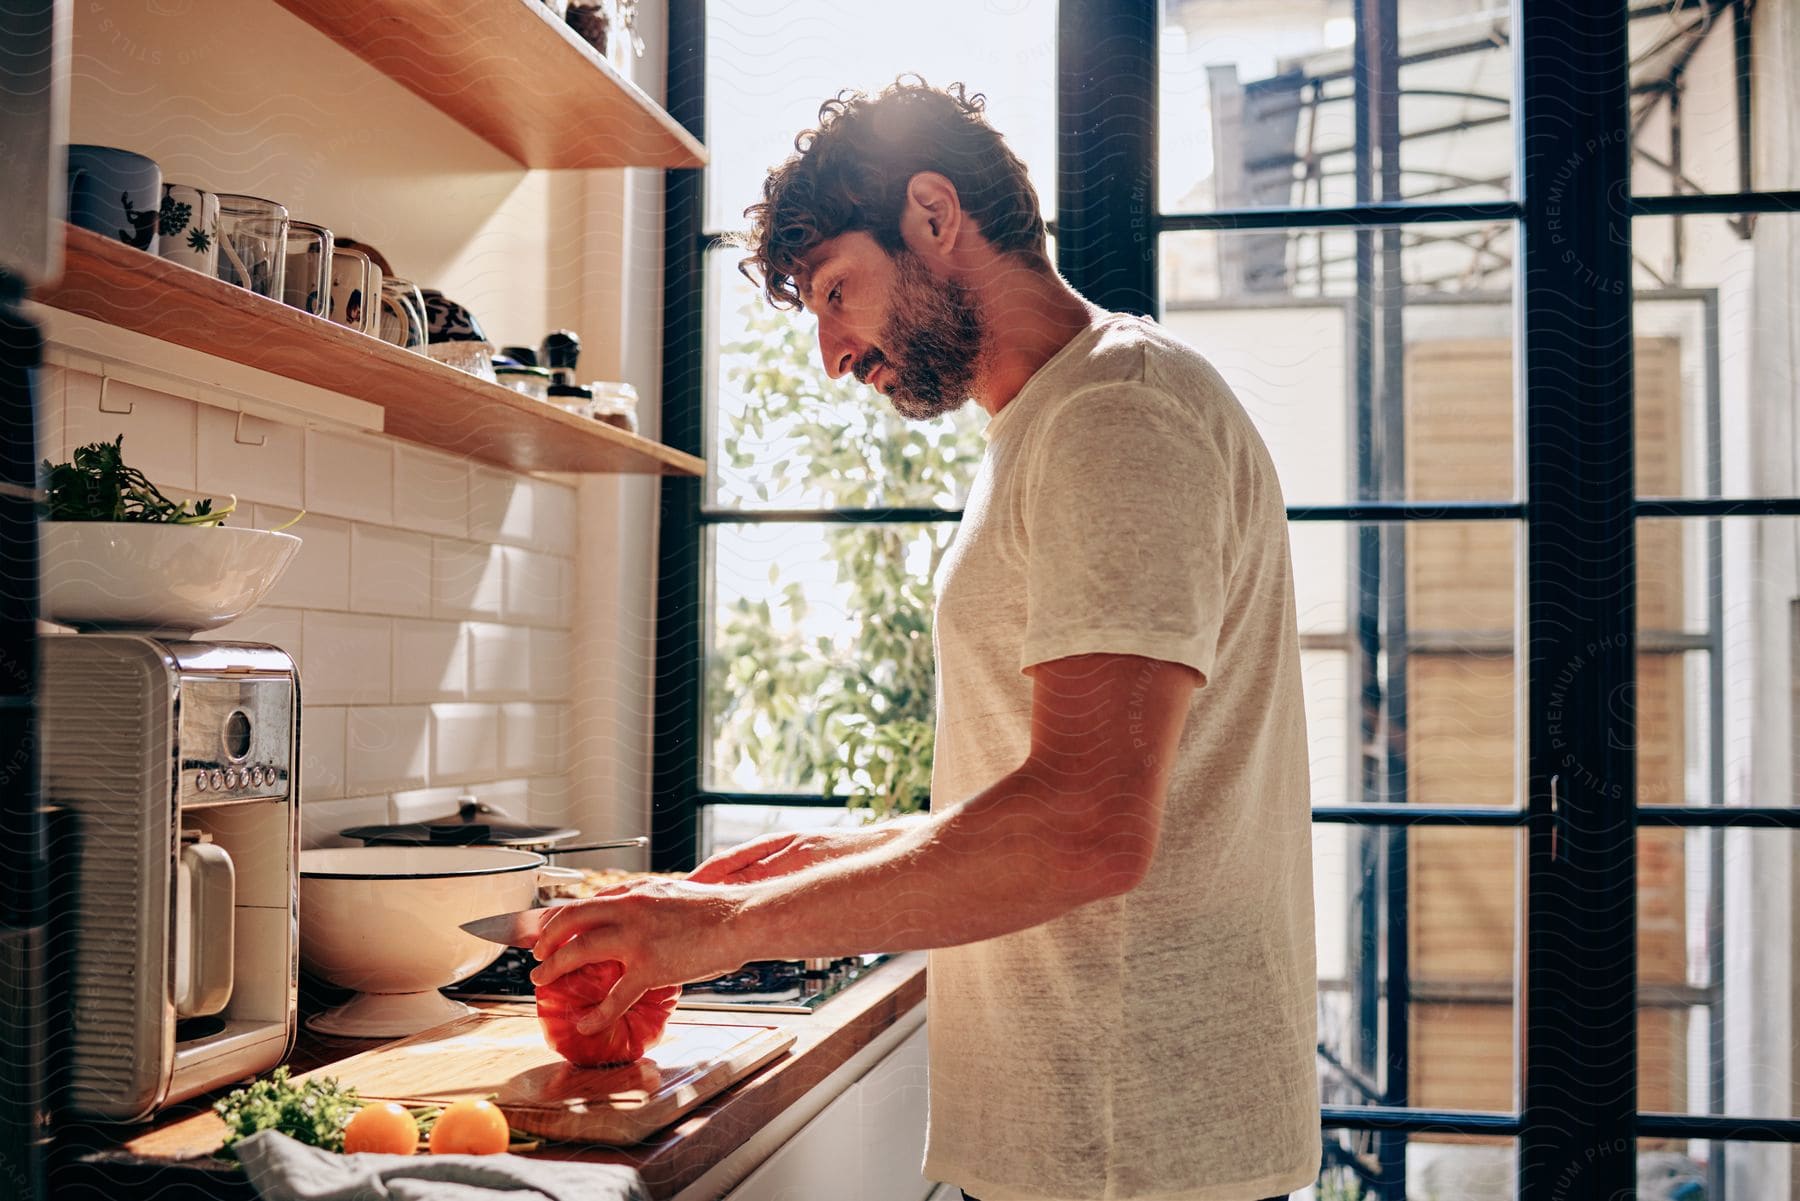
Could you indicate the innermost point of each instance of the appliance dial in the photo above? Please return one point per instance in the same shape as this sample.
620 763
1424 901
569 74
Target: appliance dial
237 735
218 779
200 781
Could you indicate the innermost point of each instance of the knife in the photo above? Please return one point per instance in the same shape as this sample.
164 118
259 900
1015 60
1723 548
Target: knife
518 929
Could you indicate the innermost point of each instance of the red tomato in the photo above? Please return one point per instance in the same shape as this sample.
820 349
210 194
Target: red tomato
563 1002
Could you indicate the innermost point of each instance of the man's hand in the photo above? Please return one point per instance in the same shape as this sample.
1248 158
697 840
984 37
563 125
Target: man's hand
663 932
759 859
781 854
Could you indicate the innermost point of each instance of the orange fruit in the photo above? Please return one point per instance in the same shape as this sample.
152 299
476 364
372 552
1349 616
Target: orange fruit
384 1127
470 1128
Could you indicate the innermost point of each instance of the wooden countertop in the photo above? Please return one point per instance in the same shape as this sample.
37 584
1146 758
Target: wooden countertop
172 1157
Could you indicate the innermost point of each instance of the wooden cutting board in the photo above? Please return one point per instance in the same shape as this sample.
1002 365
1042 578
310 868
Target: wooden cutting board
500 1052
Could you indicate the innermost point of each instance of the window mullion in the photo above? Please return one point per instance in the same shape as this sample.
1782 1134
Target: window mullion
1578 1134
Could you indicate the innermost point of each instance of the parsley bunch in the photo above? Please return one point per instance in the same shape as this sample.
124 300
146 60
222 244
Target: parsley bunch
314 1112
96 485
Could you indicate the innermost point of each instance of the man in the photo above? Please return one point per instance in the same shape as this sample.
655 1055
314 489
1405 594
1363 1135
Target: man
1115 879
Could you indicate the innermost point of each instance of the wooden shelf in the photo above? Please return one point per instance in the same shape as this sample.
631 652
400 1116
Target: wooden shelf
513 73
425 401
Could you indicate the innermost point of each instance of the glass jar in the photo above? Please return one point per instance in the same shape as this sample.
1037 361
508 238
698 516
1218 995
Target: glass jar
476 358
402 314
307 285
355 290
253 243
615 403
531 381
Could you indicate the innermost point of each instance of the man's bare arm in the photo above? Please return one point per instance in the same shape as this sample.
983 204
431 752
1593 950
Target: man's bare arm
781 854
1077 821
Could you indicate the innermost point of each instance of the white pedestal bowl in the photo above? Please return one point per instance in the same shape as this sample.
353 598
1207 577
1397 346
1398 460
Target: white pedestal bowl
385 921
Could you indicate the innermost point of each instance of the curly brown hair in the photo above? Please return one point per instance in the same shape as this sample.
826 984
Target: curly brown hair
851 173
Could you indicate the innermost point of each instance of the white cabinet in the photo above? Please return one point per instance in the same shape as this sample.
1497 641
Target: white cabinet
868 1143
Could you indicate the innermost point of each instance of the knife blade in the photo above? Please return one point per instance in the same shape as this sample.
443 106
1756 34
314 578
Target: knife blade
517 929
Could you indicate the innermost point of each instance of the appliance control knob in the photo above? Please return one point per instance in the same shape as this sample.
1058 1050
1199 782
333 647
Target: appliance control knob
231 777
200 781
218 778
253 776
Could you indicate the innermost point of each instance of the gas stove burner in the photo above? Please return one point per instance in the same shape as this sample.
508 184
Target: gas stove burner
755 978
508 978
768 986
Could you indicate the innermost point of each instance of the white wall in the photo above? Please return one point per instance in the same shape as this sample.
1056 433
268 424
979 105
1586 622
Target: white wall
451 619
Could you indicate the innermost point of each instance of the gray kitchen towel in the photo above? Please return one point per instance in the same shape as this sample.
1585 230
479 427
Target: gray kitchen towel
285 1169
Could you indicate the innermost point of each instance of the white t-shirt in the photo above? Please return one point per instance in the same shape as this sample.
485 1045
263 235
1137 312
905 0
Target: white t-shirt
1158 1044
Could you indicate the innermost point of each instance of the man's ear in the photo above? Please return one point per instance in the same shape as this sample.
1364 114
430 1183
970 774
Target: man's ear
932 220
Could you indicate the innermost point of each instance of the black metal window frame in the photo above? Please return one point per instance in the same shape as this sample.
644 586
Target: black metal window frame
1578 1121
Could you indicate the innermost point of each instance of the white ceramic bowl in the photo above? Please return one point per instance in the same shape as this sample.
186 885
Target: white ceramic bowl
155 576
385 922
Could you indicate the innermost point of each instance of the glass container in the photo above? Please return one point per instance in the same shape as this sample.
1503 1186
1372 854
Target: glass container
253 243
307 285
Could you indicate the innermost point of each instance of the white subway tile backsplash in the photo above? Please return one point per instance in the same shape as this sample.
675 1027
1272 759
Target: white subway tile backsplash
159 429
468 579
431 661
322 752
552 667
431 492
388 747
509 799
427 608
501 506
351 659
465 742
319 576
521 510
349 475
266 465
499 662
553 518
320 821
423 804
265 623
536 587
518 737
390 571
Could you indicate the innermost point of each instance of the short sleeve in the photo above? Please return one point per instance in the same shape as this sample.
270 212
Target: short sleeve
1128 512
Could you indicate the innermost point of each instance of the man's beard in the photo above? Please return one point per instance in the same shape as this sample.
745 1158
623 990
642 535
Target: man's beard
936 336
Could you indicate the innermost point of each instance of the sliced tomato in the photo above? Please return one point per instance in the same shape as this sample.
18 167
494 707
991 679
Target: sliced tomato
563 1002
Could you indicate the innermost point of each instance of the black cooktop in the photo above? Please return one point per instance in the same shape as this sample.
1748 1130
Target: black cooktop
768 986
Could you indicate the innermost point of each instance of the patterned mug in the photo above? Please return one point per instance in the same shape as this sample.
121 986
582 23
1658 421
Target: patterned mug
116 193
188 227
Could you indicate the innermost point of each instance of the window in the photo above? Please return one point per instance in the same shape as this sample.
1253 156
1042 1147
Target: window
1529 386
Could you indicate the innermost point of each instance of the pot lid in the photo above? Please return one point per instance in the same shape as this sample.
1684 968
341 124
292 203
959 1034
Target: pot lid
473 823
452 831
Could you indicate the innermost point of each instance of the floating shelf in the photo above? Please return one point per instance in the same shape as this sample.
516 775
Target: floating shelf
513 73
425 401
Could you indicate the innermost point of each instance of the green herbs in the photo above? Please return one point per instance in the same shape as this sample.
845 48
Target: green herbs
313 1112
97 486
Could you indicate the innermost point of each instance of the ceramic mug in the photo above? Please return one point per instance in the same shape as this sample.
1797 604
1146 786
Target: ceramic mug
116 193
188 227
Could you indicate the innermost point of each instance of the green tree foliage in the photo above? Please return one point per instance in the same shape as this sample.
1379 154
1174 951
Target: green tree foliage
855 717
